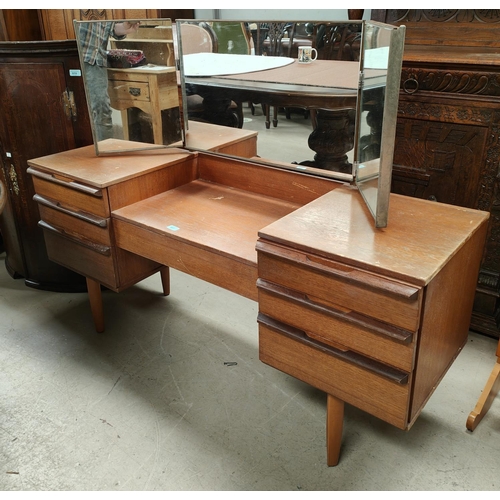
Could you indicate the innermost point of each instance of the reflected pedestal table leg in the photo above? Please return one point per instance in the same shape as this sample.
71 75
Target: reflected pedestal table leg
332 139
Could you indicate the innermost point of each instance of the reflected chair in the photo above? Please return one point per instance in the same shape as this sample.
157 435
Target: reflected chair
233 38
340 42
201 38
278 42
197 38
336 42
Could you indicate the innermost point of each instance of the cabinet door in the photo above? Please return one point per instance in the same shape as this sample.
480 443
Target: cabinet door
34 122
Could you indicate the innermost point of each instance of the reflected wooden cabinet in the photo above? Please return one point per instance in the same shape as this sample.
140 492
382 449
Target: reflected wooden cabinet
447 138
57 24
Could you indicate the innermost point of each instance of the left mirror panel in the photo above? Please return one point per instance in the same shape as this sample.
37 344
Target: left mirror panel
130 80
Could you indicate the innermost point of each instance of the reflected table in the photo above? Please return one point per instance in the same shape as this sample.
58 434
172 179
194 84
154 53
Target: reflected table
149 88
328 87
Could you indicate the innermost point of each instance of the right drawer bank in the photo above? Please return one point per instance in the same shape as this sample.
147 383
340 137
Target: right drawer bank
373 317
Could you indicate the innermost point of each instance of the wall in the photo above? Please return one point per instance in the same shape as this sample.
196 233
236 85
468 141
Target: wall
276 14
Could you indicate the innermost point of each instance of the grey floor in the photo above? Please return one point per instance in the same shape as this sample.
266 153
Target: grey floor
172 396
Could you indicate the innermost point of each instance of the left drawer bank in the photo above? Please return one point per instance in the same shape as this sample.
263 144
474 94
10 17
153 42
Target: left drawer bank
76 193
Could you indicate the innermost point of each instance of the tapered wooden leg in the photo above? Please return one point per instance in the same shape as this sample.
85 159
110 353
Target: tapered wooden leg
95 298
165 280
334 426
487 396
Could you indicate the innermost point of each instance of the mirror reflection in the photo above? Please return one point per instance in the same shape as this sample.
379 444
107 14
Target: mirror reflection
250 75
130 79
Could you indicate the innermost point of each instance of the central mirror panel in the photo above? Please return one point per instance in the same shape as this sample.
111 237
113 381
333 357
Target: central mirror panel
249 75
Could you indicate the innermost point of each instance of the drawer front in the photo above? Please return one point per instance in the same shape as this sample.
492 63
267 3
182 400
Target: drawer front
71 195
76 224
82 256
122 90
342 286
380 394
340 329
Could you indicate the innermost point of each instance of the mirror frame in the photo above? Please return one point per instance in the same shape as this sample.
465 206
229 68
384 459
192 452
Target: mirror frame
379 208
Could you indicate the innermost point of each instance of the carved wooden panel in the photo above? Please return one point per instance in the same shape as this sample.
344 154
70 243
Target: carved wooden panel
460 27
394 16
448 132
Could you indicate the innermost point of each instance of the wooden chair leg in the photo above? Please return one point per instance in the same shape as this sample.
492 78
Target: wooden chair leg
275 116
268 115
165 280
487 396
95 298
334 426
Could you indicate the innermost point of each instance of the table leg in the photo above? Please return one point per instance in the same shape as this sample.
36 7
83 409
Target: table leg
334 426
332 139
95 298
165 280
126 134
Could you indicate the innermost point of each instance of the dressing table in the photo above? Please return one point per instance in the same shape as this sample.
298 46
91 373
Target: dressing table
359 306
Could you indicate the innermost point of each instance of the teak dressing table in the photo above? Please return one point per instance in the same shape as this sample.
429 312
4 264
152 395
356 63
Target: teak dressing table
373 317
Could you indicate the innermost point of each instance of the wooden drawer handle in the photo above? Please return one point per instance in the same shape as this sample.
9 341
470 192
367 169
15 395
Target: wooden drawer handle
359 360
103 250
362 279
91 219
72 185
394 333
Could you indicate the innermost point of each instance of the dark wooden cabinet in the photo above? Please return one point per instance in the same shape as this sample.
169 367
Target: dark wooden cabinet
447 139
42 111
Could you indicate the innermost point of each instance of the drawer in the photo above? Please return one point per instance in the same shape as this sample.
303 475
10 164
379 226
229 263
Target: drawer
341 286
372 387
71 194
80 255
342 329
78 224
123 90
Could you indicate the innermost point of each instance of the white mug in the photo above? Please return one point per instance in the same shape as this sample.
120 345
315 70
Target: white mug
306 54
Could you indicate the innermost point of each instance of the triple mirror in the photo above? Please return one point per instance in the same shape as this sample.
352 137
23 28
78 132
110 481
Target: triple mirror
333 115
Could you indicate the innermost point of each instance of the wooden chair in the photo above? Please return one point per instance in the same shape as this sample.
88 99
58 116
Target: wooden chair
233 38
487 397
273 45
340 42
196 38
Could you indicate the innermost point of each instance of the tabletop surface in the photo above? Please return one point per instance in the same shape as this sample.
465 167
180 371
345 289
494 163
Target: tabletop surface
421 235
214 64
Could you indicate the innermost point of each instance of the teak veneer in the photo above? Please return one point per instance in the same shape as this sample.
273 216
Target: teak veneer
373 317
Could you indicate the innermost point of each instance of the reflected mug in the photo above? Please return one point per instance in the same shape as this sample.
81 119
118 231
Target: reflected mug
306 54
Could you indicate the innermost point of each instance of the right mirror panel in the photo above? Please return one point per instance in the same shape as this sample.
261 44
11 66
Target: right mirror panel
380 67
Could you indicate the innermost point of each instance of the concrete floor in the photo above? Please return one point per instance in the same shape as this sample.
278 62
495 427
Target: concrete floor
151 404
